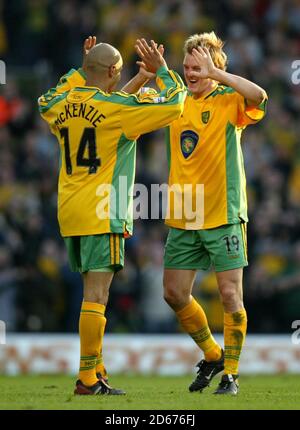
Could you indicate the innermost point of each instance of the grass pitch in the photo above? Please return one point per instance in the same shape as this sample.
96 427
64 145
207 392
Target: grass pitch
149 393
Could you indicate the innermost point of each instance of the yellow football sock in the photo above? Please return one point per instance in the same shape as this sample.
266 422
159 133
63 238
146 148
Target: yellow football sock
100 368
194 322
235 327
91 330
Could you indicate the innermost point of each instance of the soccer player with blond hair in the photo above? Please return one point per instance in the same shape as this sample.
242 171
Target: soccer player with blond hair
204 148
97 127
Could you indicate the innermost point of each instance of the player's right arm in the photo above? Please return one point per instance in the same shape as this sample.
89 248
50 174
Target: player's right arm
70 80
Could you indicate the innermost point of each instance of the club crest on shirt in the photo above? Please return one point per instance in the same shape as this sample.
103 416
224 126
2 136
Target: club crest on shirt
188 142
205 116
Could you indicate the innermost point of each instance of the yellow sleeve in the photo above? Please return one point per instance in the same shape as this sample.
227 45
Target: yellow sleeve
70 80
249 114
143 113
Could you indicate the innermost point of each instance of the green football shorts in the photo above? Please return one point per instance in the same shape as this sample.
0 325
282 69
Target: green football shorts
101 252
222 248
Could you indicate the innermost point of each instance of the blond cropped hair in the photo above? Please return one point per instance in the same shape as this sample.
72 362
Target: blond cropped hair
210 41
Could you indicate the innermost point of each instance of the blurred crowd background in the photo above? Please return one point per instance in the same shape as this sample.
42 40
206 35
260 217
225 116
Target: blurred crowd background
42 39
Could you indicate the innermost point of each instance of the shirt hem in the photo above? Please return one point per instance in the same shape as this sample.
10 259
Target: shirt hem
93 233
208 226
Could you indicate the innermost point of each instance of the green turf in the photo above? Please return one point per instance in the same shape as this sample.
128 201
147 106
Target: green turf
149 393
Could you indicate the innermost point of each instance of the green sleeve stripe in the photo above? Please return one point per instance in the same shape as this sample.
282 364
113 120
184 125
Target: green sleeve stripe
233 189
82 73
56 94
221 90
177 79
56 99
263 105
68 75
169 75
126 150
235 176
47 98
115 248
84 89
65 77
161 70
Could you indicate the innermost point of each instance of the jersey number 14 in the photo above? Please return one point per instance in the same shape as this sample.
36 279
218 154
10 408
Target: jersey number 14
87 141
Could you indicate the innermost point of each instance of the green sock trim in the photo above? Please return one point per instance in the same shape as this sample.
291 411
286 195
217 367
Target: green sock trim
231 357
233 347
88 357
86 368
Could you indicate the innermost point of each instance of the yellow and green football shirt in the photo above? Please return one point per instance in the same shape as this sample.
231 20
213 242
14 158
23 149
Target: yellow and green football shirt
97 135
204 149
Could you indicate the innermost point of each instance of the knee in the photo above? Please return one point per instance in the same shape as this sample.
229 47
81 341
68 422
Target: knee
171 296
103 299
231 296
102 296
177 288
174 297
96 286
96 295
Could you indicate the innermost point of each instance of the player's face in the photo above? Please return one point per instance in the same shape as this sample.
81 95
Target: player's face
191 74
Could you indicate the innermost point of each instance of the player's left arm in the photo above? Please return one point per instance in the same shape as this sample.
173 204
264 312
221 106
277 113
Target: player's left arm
70 80
74 77
138 81
145 73
253 94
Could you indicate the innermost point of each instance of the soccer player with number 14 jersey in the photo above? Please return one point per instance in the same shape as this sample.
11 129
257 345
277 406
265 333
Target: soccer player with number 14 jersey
97 128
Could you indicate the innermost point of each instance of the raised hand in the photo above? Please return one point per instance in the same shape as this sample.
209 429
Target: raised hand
143 68
205 62
88 44
151 55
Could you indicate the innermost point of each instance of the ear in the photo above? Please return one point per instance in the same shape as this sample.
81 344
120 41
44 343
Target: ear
111 71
